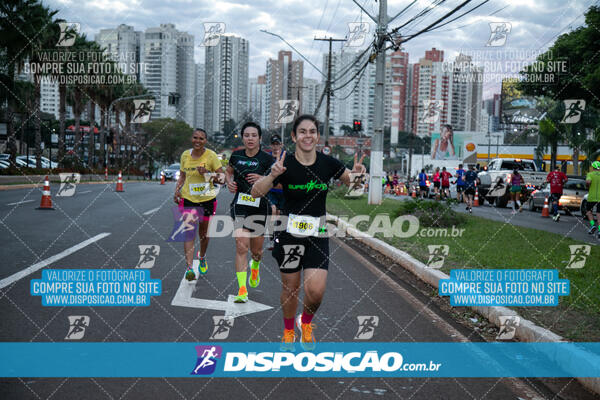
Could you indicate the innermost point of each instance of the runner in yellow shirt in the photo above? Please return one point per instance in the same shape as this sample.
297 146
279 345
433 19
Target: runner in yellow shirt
199 193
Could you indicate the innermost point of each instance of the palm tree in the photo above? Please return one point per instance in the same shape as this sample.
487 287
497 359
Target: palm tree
19 22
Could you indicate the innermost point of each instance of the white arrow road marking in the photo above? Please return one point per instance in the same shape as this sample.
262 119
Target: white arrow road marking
152 211
19 202
183 298
39 265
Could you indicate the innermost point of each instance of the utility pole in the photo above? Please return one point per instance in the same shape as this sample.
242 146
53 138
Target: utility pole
328 83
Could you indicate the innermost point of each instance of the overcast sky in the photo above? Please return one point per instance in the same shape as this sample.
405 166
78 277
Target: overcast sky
535 24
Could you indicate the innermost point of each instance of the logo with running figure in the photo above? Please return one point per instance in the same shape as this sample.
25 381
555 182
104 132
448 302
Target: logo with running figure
77 326
579 255
309 186
143 109
292 254
222 327
431 111
573 111
148 255
499 34
68 34
68 183
437 255
212 33
287 111
357 33
366 326
184 225
207 359
508 327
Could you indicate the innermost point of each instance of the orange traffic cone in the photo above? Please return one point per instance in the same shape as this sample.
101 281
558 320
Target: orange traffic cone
162 179
546 209
476 199
120 183
414 193
46 203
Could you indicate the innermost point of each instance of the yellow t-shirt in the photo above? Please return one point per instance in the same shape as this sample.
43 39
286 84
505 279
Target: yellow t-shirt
196 188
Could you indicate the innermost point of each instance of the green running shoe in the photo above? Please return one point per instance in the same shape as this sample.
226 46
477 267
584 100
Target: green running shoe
254 279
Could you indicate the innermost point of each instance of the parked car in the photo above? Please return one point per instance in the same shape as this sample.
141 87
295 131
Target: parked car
171 172
574 192
4 164
495 180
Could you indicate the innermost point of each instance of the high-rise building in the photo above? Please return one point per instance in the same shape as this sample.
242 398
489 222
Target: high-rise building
169 71
351 91
226 82
311 93
399 81
284 81
467 90
199 97
122 44
257 100
431 86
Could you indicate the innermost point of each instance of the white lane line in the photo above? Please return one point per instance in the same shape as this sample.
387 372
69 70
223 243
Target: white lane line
152 211
19 202
87 191
39 265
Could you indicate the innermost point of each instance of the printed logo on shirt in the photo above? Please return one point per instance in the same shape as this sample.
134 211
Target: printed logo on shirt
309 186
247 163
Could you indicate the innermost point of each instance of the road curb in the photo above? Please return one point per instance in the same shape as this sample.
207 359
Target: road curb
527 331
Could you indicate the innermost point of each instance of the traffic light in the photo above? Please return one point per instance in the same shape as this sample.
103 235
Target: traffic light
357 125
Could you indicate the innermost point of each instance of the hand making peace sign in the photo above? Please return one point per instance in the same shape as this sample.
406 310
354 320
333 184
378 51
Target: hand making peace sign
358 166
277 168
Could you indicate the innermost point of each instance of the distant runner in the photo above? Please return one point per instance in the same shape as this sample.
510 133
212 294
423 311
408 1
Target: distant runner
593 181
557 179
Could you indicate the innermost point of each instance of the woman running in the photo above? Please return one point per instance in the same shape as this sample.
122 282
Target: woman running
304 245
516 181
197 193
245 167
437 183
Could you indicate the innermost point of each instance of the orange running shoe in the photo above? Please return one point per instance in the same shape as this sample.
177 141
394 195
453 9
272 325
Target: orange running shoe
307 340
242 296
287 342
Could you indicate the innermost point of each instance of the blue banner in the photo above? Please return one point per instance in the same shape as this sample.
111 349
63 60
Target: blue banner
327 360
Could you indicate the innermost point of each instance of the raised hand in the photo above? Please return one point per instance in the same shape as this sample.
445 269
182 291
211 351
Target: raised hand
277 168
358 166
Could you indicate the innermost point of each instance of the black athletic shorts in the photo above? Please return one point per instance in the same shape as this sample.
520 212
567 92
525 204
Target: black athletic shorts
554 197
436 184
206 209
590 205
294 254
460 188
470 190
445 187
252 219
423 188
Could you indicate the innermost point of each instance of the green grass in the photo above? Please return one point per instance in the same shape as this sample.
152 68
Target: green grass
486 244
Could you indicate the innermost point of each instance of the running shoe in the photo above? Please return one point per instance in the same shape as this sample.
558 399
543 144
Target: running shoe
203 266
254 278
470 210
592 230
307 340
189 274
287 341
242 296
467 208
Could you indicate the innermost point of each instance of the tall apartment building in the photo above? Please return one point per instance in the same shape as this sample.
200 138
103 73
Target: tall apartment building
226 81
169 71
310 97
284 81
257 99
431 83
199 97
399 82
123 45
467 92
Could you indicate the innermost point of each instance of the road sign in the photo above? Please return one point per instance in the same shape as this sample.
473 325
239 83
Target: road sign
326 150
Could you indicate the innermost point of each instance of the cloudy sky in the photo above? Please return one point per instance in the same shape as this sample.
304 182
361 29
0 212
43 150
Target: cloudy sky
534 25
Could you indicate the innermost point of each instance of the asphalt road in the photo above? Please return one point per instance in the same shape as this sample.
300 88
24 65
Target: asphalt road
573 226
142 216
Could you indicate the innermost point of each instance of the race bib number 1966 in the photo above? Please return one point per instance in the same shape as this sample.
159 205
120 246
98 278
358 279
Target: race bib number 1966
302 225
